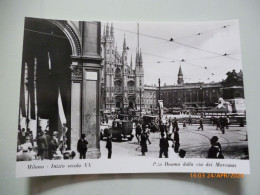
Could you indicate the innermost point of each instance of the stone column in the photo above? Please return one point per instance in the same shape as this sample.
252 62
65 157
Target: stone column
86 89
91 86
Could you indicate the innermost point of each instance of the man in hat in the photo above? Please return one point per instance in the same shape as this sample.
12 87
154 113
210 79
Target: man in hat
82 146
215 149
138 131
164 145
109 145
201 124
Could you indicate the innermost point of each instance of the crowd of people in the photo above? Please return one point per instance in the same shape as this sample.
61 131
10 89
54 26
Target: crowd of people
52 146
46 145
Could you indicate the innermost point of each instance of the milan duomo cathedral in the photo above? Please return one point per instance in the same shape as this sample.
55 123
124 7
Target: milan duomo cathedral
122 83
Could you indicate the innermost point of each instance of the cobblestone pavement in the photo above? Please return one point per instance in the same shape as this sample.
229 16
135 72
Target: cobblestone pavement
196 143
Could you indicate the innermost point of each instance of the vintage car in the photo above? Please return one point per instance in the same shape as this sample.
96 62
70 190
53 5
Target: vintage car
120 129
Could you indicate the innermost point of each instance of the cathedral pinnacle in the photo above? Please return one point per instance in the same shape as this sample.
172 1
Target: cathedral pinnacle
131 63
112 30
141 58
124 44
107 30
137 58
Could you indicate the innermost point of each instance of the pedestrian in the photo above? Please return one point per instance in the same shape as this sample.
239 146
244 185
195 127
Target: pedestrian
176 140
109 145
23 136
222 124
164 145
138 131
143 143
175 124
215 150
201 124
148 131
169 136
31 138
42 145
53 144
48 138
190 120
82 146
184 124
19 135
106 118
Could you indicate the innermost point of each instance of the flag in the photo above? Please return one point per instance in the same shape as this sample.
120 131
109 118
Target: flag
61 119
61 110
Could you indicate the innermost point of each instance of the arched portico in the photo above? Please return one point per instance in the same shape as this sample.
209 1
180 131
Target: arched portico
66 64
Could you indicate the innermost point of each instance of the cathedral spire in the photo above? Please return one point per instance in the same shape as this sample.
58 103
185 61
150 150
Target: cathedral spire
107 30
180 80
137 58
124 45
141 58
131 63
112 30
104 32
180 71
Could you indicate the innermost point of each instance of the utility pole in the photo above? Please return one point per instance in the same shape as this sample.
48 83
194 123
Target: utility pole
201 89
140 102
159 81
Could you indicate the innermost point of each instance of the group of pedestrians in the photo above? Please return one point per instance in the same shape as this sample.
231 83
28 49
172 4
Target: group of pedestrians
45 146
221 123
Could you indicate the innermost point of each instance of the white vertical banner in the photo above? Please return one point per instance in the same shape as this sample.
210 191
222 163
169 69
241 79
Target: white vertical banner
161 107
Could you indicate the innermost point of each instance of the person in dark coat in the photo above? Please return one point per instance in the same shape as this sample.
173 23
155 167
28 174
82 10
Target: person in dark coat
23 136
201 124
143 142
82 146
164 145
48 138
175 124
222 124
215 149
176 139
53 144
138 131
109 146
42 145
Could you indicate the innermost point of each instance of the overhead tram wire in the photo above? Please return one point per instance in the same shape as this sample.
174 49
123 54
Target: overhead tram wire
172 41
145 53
205 32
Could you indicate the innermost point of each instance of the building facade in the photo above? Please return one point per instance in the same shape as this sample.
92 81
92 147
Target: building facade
150 101
122 84
190 94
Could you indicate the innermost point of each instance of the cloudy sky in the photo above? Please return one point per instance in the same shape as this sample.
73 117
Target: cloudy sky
201 45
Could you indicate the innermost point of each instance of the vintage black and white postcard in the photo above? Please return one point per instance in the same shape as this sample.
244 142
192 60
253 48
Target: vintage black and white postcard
110 97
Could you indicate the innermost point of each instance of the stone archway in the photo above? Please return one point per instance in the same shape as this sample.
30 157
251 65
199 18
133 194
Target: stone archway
80 71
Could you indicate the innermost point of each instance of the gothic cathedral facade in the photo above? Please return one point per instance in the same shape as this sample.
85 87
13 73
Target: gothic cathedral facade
122 84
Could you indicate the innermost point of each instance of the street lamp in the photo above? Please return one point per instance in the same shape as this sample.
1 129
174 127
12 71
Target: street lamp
159 81
201 89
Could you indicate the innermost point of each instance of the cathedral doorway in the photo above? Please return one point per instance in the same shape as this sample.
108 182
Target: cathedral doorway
118 104
131 105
